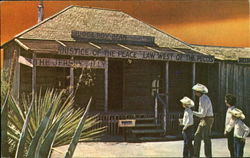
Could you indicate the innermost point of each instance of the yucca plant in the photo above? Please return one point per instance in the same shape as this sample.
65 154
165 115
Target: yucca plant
44 122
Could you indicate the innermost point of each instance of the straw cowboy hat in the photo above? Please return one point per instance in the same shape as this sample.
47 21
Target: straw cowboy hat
187 101
237 113
200 88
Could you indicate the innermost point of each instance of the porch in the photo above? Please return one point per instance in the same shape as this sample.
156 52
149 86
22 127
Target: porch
173 129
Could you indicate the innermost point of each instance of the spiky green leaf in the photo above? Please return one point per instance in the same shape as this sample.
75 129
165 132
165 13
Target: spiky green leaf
77 133
39 133
46 146
21 143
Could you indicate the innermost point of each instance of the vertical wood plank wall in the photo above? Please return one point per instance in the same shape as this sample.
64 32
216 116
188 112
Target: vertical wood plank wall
235 79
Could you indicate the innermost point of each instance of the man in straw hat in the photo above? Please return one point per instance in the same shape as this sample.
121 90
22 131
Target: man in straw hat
205 113
241 131
187 130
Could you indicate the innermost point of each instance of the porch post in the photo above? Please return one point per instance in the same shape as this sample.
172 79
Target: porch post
71 82
34 76
165 109
106 85
16 83
193 79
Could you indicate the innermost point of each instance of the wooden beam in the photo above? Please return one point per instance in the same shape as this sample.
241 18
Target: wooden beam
219 99
223 84
193 79
71 82
167 83
61 43
226 69
106 85
165 108
34 76
17 77
21 44
156 107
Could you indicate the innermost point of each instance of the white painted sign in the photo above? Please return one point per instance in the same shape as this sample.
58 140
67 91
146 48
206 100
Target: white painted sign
51 62
244 60
25 61
146 55
126 123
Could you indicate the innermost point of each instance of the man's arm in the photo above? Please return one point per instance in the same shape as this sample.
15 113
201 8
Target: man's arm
202 109
230 126
246 130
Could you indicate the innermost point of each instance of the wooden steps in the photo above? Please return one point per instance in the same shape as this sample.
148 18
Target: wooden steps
147 125
145 119
147 131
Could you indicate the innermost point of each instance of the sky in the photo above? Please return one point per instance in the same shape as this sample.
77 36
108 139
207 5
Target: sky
204 22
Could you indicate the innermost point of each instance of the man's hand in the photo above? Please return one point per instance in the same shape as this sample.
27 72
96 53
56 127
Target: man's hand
243 139
226 133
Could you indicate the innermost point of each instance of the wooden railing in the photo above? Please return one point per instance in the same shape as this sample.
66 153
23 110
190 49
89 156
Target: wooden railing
111 121
164 109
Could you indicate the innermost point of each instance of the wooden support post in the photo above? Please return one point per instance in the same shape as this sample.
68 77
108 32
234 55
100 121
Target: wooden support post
156 107
34 76
71 82
165 109
106 85
226 69
193 79
17 77
219 100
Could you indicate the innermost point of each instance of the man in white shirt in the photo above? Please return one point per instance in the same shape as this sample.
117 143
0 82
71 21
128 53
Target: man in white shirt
230 101
205 113
241 131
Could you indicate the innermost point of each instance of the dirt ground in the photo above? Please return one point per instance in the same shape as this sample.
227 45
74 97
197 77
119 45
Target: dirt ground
146 149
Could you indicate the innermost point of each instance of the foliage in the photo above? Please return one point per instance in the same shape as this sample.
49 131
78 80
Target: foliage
45 122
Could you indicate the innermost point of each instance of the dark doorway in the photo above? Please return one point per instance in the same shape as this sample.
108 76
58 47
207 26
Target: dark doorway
180 84
115 85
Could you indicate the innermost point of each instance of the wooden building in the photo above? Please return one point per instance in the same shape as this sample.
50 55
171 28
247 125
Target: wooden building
233 75
140 72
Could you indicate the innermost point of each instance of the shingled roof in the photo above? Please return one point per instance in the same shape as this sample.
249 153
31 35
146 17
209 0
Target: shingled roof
224 53
60 25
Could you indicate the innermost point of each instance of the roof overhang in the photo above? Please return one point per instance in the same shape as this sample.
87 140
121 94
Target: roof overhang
122 51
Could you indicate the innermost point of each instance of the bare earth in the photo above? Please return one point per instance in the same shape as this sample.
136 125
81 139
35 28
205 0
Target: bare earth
147 149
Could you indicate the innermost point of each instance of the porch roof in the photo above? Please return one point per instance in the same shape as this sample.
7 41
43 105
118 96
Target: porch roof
79 48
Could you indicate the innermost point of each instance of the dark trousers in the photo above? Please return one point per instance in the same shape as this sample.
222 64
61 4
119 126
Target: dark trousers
188 149
230 142
203 132
238 147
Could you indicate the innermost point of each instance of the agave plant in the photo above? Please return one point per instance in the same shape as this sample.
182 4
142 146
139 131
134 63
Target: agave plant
44 122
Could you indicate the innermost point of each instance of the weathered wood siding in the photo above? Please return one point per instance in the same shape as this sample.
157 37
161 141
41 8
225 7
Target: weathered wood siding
235 79
207 74
8 55
137 91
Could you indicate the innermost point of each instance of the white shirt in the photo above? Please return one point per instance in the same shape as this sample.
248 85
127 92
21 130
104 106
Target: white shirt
188 118
205 107
228 116
240 129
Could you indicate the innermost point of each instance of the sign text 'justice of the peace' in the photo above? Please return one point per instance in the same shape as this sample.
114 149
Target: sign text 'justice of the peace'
146 55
